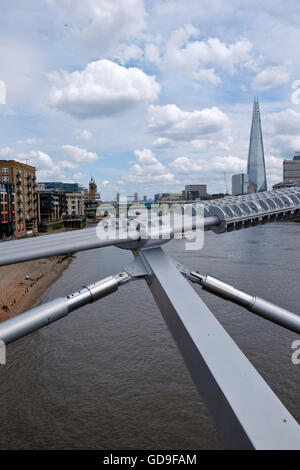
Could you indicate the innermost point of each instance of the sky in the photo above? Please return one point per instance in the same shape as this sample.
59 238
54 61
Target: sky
148 95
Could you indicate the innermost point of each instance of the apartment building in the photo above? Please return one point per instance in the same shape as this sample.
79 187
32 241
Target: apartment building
75 204
7 210
51 205
23 177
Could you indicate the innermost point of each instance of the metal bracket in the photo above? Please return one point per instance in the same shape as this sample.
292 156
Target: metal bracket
136 269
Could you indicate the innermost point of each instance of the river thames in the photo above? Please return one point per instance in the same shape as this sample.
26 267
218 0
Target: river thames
109 376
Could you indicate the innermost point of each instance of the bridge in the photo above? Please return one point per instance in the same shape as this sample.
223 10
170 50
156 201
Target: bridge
246 412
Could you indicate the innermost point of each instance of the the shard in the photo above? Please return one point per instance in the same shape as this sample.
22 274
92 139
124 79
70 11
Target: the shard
256 159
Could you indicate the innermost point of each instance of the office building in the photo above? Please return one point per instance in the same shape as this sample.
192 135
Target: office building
256 169
59 186
51 205
195 191
291 169
239 184
23 177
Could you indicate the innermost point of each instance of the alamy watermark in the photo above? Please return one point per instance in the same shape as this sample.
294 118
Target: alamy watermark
2 353
2 92
296 353
295 97
159 222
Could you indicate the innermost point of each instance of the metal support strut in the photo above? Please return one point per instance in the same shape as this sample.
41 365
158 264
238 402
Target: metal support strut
246 412
257 305
47 313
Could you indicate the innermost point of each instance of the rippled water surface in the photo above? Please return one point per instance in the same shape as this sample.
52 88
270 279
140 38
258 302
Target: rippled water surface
109 375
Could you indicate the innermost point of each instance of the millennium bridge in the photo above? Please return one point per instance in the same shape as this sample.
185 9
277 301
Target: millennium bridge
246 412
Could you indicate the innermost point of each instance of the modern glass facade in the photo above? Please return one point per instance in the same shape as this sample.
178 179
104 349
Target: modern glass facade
256 169
239 184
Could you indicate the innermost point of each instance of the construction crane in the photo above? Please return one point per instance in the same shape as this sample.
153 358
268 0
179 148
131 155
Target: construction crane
225 181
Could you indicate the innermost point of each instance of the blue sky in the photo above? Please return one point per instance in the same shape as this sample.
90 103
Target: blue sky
149 95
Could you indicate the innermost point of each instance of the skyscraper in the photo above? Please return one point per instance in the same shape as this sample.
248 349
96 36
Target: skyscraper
256 159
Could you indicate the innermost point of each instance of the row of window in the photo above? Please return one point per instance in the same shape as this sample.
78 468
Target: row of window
4 218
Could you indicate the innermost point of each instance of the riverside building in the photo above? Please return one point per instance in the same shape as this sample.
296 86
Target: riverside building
23 178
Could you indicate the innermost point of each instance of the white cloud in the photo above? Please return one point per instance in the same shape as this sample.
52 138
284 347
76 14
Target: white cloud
148 170
102 89
215 143
105 183
286 144
273 162
228 164
271 77
101 23
283 122
187 165
44 164
282 132
162 142
207 75
79 155
5 151
29 140
82 134
78 176
18 61
193 56
171 7
274 169
125 53
47 168
37 158
67 165
207 125
152 53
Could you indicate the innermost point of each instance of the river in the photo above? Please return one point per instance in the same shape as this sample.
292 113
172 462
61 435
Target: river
109 376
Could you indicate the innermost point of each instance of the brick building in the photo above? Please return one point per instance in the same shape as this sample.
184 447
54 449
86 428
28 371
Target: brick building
23 177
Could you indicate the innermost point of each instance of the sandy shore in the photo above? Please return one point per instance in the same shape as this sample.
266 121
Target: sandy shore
18 294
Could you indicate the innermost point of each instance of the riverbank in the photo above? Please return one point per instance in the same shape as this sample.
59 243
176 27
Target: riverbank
21 285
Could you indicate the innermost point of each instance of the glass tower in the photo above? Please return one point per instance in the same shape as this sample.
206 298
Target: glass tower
256 158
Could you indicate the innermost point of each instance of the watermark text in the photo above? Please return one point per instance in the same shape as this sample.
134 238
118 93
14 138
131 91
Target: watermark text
2 92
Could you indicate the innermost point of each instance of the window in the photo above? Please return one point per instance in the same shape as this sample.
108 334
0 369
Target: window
4 171
5 179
